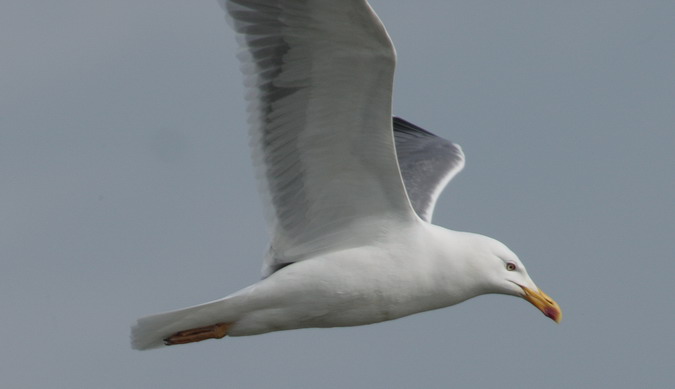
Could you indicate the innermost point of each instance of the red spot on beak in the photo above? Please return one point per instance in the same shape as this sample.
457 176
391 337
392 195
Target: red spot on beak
552 313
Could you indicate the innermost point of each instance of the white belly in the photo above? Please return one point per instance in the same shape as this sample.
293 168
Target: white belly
347 288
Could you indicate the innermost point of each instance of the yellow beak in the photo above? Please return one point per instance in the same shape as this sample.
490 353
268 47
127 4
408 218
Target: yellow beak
544 303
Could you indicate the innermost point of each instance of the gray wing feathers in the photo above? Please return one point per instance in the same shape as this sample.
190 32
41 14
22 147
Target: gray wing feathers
320 76
427 164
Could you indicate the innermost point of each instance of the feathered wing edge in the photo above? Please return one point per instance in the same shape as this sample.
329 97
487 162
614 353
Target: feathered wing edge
320 77
427 163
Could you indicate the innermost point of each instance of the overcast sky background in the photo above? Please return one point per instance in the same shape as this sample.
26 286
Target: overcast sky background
126 189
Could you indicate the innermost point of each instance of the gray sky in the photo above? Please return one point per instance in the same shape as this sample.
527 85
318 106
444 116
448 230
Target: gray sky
126 190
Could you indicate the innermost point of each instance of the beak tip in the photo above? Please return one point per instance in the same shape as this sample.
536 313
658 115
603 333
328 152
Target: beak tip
544 303
554 314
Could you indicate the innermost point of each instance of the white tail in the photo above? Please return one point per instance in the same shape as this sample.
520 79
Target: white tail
150 331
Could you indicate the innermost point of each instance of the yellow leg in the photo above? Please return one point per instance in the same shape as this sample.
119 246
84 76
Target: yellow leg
215 331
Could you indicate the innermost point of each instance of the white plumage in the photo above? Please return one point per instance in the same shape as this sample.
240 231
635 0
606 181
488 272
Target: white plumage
348 247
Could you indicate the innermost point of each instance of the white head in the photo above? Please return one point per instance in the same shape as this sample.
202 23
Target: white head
499 270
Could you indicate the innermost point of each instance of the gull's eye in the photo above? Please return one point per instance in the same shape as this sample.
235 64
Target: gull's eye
510 266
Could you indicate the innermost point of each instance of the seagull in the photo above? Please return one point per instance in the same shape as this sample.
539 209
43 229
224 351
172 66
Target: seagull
350 191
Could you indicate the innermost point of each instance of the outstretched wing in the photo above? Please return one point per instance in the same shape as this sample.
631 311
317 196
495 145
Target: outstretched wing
320 75
428 162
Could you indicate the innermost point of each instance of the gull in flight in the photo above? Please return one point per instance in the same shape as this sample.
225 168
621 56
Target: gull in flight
351 192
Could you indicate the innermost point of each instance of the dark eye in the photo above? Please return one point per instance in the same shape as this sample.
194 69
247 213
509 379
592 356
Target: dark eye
510 266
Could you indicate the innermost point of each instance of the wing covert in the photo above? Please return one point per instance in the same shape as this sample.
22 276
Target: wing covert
320 75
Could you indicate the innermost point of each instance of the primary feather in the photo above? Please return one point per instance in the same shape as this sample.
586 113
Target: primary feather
320 75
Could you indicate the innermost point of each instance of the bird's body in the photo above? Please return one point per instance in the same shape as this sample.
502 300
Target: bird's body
402 274
353 242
